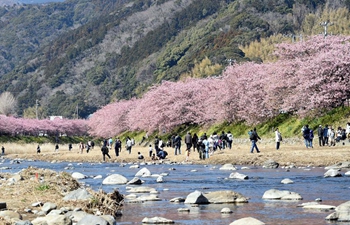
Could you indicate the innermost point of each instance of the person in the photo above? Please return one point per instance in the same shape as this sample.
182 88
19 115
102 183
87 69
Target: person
117 145
87 147
56 148
306 135
254 137
325 135
206 148
150 149
187 152
229 139
177 143
278 137
223 139
331 136
38 150
156 144
154 157
128 144
110 143
311 138
81 147
195 142
320 135
70 146
105 151
139 155
92 145
2 150
162 154
188 140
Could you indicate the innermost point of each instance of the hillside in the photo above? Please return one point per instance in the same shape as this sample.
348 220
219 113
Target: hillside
77 56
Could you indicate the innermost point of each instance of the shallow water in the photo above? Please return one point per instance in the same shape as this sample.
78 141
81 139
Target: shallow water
308 182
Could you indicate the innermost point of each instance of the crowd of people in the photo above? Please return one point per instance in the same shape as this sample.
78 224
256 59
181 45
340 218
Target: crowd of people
207 145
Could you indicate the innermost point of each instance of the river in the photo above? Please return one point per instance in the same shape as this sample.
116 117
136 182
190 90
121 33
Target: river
184 179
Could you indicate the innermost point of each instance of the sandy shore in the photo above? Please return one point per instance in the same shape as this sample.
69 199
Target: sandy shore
292 152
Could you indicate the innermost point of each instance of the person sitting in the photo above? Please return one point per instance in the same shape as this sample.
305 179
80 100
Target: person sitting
154 157
140 156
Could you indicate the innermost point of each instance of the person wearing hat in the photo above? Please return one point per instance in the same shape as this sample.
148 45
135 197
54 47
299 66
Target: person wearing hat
320 135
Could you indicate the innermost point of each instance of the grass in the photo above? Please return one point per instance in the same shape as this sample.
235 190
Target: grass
43 187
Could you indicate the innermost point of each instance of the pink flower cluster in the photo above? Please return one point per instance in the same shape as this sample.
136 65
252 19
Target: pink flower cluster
310 76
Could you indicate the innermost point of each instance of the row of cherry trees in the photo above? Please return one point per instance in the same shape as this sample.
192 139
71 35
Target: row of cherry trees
310 77
19 126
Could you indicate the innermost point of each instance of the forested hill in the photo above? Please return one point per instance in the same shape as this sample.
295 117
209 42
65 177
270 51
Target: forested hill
76 56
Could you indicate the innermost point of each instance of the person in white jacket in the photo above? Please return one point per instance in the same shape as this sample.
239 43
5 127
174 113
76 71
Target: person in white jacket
278 138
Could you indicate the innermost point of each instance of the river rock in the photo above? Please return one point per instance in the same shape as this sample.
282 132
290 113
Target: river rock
141 190
319 207
183 210
76 216
134 166
135 181
228 166
220 197
347 173
10 215
177 199
48 206
115 179
332 173
281 195
52 219
157 220
78 175
196 197
342 213
307 203
92 219
226 211
144 172
79 194
339 166
98 177
160 179
270 164
287 181
151 197
110 219
246 221
239 176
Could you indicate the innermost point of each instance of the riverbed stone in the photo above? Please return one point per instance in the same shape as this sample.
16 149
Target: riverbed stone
157 220
319 207
287 181
160 179
48 206
339 166
341 214
134 166
183 210
226 211
247 220
228 166
196 197
141 190
79 194
238 176
135 181
115 179
10 214
151 197
281 195
221 197
177 199
78 175
144 172
52 219
92 219
270 164
332 173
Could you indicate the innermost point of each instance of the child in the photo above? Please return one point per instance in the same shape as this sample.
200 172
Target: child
154 157
150 151
140 156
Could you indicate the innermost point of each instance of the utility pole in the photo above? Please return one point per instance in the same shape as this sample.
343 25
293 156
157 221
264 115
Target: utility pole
36 108
325 25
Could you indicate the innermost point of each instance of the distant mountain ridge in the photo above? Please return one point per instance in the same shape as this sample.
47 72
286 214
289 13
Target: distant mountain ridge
77 56
19 2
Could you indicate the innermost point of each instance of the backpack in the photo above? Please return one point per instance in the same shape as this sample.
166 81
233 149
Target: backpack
252 136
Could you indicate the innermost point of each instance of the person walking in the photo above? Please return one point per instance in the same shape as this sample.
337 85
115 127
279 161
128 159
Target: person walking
188 141
177 144
278 138
195 142
128 144
229 139
254 137
38 150
306 135
105 151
